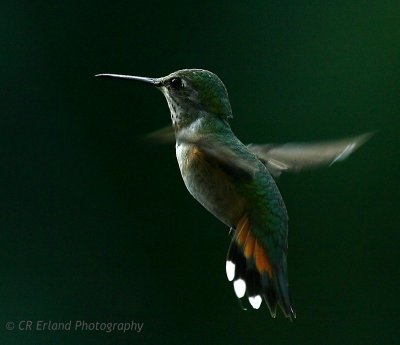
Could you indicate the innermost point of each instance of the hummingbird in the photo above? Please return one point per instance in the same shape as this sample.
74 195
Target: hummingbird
236 182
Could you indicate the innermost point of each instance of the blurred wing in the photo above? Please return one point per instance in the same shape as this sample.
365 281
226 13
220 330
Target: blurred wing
163 135
278 158
295 157
229 160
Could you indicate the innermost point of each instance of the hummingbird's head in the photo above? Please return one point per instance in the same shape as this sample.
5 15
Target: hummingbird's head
191 94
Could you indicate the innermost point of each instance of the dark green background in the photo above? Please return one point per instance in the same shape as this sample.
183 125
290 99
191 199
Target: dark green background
97 226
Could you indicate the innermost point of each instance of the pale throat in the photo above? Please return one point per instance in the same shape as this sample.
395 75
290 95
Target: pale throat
182 114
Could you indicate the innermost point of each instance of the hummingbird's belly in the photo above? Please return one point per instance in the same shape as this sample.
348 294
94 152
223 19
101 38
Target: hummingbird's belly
210 185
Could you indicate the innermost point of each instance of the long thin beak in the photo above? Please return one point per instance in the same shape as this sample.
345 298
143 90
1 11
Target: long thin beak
151 81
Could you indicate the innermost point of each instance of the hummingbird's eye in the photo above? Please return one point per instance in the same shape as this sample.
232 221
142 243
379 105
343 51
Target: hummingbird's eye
177 83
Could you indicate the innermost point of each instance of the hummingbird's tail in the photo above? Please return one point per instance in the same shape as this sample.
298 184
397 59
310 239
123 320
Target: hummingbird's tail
253 274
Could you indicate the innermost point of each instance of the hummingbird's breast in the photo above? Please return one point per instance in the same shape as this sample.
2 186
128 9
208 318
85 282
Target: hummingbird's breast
209 184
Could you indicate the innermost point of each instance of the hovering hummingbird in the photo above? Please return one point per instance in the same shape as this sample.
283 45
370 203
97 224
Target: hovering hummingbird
235 182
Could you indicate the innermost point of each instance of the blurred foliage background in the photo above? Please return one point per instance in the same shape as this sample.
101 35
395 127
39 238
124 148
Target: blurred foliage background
97 226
